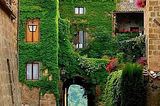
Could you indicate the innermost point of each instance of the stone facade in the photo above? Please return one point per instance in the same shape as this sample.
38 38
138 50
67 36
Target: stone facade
32 97
152 32
9 89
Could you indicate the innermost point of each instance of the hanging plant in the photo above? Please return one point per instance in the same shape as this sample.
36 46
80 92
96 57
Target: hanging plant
141 4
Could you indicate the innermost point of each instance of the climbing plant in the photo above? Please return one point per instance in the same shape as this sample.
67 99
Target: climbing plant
112 95
96 22
44 51
74 64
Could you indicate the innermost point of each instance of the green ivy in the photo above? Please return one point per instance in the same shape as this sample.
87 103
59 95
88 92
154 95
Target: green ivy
132 50
74 64
112 95
54 49
96 22
46 50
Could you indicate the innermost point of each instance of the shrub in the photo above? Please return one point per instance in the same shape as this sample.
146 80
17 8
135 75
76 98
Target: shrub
132 86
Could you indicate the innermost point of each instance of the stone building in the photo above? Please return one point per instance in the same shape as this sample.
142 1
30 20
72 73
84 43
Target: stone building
152 32
127 18
9 85
45 51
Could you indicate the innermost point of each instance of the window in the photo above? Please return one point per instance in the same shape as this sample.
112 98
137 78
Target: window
80 39
131 1
80 10
33 72
32 30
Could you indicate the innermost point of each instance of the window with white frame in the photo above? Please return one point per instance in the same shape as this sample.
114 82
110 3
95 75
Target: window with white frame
33 72
79 10
131 1
80 39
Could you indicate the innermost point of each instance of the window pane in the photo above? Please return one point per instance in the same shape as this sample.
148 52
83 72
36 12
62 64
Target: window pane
80 37
84 40
29 71
76 10
81 11
35 71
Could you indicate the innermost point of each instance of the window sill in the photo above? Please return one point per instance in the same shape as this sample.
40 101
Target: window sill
32 80
7 8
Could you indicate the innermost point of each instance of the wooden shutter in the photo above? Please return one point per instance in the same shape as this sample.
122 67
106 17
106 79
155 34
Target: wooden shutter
28 33
32 36
36 34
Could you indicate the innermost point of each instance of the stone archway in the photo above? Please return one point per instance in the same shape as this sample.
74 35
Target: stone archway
78 81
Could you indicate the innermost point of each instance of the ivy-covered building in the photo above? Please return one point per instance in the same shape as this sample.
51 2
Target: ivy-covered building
48 65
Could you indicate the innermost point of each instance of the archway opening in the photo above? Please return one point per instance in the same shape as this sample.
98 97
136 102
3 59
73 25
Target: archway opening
81 85
76 96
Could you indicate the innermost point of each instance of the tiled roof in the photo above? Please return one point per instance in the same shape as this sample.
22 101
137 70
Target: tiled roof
126 6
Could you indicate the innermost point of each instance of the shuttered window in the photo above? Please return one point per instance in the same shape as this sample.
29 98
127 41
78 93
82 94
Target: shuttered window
32 30
80 40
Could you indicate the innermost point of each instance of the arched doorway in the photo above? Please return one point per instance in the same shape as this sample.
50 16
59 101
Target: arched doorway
76 96
81 82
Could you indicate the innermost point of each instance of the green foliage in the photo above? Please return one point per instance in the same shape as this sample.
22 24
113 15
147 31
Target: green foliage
96 22
112 90
132 46
103 44
132 86
46 50
74 64
87 0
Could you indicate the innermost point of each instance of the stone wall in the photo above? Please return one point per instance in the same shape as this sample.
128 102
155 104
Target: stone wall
33 97
9 89
30 96
152 32
47 100
153 93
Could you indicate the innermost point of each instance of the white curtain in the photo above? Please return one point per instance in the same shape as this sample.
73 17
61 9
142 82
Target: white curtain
81 10
76 10
35 71
29 71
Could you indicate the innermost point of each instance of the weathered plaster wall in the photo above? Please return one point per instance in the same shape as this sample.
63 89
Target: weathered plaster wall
10 95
